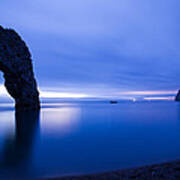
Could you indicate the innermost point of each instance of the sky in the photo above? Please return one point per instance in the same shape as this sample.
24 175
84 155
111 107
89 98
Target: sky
100 47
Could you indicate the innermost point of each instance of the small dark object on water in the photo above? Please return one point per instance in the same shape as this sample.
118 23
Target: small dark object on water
113 102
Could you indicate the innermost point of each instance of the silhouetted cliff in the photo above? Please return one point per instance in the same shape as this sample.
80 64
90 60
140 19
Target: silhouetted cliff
16 64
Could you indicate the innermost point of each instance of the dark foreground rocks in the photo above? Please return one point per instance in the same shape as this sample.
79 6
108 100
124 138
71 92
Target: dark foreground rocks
164 171
16 65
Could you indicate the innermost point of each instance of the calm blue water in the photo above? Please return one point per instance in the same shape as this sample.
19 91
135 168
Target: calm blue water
80 138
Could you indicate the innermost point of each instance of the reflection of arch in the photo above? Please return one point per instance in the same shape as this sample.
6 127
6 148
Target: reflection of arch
16 64
17 151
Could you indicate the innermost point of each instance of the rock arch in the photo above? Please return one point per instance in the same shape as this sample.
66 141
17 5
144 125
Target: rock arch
16 65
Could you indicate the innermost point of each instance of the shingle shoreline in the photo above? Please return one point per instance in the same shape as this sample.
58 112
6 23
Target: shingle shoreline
162 171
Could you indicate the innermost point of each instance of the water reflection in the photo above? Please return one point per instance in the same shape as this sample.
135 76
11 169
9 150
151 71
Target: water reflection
59 121
87 138
17 149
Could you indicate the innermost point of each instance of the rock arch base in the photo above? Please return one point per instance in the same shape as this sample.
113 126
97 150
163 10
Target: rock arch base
16 65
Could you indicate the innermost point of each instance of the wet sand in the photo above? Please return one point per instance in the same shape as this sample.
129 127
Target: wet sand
162 171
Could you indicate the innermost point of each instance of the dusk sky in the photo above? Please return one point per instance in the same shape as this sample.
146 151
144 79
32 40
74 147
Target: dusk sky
100 47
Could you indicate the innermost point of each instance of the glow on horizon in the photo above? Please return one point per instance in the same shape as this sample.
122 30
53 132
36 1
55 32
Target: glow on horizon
49 94
146 92
158 98
58 94
3 91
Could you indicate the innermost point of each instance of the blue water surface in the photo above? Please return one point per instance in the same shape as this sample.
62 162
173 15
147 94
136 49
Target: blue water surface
80 138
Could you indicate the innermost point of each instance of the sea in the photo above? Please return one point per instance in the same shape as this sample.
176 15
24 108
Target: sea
83 137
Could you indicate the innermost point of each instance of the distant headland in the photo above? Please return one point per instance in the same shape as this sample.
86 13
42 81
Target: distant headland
178 96
16 65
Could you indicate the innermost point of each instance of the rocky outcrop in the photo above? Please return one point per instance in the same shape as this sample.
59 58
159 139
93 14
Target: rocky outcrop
178 96
16 65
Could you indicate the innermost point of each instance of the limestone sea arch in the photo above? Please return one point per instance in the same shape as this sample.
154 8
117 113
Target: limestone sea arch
17 68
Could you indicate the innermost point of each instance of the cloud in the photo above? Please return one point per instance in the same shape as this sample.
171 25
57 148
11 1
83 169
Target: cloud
98 45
